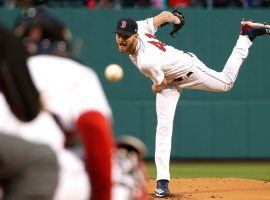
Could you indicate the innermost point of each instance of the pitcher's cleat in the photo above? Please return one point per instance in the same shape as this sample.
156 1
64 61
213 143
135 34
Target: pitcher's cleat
162 189
254 29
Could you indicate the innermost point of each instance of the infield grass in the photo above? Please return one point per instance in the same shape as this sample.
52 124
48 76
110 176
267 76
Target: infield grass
249 170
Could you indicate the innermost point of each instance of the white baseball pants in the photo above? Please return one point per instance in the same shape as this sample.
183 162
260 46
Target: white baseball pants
203 78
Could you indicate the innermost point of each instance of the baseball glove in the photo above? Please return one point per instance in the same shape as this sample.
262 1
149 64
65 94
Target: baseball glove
176 27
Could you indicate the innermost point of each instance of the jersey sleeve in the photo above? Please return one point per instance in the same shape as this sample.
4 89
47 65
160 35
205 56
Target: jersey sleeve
147 25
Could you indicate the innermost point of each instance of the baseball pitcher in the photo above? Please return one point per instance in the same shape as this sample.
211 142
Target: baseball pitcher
173 70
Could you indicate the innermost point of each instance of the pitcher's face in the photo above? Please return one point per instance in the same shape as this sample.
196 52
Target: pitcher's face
125 42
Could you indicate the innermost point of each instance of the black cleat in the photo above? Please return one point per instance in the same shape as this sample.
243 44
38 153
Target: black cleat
253 29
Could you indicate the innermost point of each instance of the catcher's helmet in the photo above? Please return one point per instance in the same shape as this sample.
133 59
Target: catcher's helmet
41 32
132 143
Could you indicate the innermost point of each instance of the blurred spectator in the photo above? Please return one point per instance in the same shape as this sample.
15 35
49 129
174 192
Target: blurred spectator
22 3
264 3
9 3
258 3
136 3
228 3
157 3
66 3
160 4
200 3
91 4
99 3
51 3
178 3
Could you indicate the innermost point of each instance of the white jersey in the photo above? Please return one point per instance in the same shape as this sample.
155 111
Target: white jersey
157 60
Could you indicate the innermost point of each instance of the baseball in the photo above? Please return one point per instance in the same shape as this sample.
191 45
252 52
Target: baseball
113 72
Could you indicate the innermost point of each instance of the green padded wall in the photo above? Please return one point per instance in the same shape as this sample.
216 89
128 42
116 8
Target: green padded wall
207 125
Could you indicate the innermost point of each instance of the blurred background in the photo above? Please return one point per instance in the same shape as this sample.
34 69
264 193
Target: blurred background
158 4
207 126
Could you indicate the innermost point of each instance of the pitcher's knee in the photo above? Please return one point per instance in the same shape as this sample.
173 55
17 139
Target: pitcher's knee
227 87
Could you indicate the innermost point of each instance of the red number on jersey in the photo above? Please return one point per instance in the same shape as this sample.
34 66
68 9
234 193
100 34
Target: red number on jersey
156 42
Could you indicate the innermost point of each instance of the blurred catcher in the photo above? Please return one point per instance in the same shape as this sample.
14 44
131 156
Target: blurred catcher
68 108
64 85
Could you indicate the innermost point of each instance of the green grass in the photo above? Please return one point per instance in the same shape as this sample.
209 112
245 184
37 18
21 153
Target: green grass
257 170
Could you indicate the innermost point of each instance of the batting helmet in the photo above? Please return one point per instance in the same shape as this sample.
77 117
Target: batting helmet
42 33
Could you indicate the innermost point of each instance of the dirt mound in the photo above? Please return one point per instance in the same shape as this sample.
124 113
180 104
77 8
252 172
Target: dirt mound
215 188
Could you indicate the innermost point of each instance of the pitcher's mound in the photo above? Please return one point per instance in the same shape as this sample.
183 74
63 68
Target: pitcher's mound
214 189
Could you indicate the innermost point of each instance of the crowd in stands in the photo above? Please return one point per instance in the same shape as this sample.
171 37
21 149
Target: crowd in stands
160 4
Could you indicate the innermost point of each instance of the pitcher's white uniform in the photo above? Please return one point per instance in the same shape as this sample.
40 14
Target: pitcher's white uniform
156 60
67 89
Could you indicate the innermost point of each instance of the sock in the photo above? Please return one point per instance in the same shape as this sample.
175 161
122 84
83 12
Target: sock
98 142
